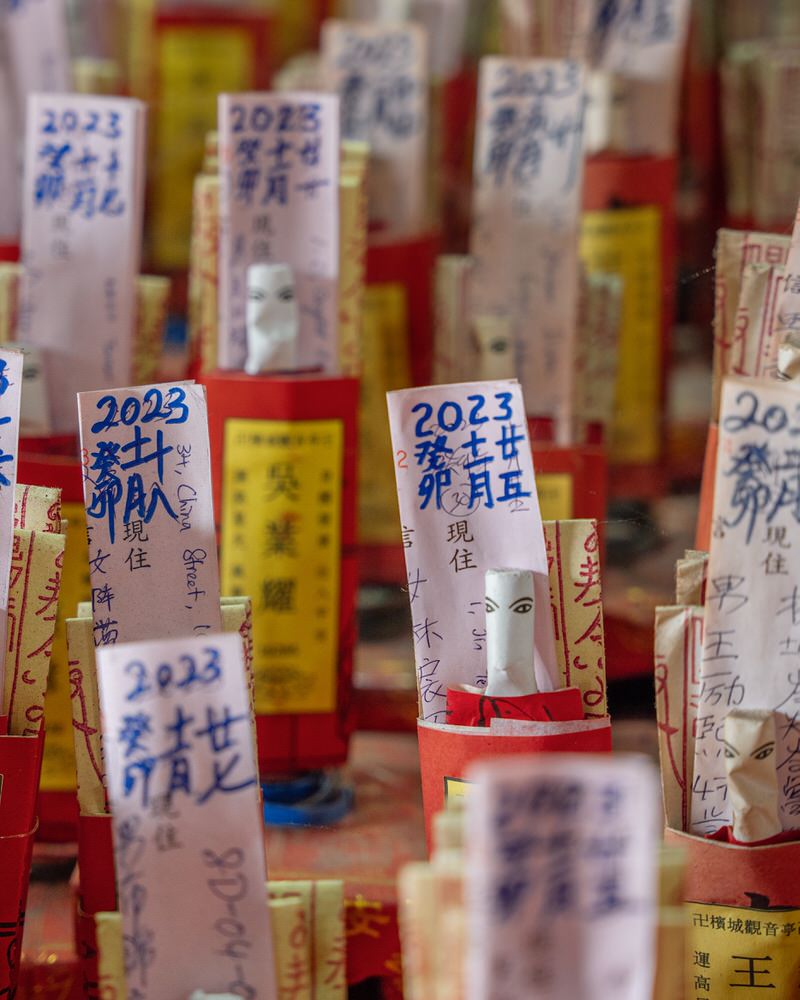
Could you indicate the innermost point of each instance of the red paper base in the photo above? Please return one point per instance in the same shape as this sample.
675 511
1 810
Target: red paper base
445 756
290 743
730 875
467 708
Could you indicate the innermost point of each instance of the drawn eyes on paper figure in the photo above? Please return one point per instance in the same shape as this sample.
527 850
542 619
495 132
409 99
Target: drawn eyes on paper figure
285 294
760 753
522 605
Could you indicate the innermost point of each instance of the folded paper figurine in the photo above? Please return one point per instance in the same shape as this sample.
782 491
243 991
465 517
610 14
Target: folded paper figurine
273 321
511 691
752 774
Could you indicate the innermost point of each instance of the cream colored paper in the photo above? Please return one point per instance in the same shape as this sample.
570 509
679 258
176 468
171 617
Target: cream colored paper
750 765
561 848
526 727
597 350
10 275
573 559
380 73
81 236
36 562
691 574
279 202
204 271
37 48
147 491
110 956
186 813
527 175
735 250
152 299
468 503
453 350
353 219
322 904
678 652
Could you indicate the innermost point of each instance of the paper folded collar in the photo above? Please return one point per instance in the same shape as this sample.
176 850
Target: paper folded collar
473 708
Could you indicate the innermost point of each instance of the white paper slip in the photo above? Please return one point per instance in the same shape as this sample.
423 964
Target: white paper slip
149 511
561 877
468 503
10 393
640 38
34 414
787 322
188 833
526 209
38 48
81 238
752 610
380 72
279 204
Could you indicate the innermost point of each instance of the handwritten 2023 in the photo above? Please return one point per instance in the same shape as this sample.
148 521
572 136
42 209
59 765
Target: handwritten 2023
470 458
167 678
767 480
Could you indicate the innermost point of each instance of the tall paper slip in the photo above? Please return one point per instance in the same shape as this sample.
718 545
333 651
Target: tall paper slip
526 209
38 48
279 203
752 619
147 490
561 878
380 73
642 40
10 394
188 843
468 503
81 237
9 207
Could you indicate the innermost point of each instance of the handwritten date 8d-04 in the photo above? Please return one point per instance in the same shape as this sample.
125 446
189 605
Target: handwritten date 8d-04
167 678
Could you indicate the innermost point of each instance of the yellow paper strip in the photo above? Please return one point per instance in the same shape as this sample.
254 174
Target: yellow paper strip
573 555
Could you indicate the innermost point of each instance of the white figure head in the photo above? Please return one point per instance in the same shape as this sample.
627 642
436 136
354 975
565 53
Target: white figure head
749 738
272 319
510 615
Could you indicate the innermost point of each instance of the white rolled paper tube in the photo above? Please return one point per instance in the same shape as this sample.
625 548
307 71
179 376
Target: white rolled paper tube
273 323
510 616
750 763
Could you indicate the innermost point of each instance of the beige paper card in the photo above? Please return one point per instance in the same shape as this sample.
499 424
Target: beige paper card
204 271
690 578
36 562
573 558
352 253
678 651
152 299
110 956
735 250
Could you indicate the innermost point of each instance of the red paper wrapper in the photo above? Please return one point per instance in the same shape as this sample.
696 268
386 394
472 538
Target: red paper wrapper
467 708
446 752
732 875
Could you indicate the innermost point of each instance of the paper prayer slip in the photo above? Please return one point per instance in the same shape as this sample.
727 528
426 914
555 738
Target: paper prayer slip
279 203
10 396
380 73
752 617
561 885
678 653
749 738
468 503
37 48
576 599
510 617
183 787
735 251
147 491
81 240
788 319
236 616
526 213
